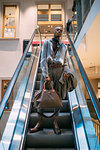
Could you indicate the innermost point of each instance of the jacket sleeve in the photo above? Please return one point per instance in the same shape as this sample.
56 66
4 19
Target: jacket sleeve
66 68
43 62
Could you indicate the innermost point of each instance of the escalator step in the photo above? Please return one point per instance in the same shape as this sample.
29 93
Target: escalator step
48 139
64 120
50 149
38 77
37 85
39 70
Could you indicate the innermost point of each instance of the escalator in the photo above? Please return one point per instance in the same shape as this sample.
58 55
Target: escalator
47 138
78 132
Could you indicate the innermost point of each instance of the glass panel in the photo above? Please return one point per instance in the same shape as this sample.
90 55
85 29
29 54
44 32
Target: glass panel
99 91
9 21
9 11
43 17
56 17
5 84
93 134
9 105
9 32
89 103
74 25
56 7
85 8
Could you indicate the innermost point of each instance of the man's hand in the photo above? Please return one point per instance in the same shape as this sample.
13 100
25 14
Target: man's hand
67 75
47 79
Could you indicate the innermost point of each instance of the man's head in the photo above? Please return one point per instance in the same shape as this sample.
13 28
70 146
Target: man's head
58 32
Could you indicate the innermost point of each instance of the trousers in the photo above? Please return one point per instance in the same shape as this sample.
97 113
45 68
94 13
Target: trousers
54 74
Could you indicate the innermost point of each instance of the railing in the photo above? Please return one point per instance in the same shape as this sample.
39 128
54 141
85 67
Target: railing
15 76
85 78
84 125
97 128
13 123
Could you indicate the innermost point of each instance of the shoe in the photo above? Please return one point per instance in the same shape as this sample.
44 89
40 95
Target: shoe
38 127
57 130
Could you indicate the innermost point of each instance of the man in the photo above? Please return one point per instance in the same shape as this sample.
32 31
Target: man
54 69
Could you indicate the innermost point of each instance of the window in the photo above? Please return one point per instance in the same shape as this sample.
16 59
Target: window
9 21
49 14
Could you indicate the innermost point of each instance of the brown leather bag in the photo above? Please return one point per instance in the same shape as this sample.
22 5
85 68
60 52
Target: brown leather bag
47 98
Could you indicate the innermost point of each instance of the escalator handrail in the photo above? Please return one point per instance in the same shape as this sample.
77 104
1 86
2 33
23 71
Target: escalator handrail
85 78
15 75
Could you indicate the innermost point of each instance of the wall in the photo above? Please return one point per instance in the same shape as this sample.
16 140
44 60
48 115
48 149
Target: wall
11 49
89 48
3 122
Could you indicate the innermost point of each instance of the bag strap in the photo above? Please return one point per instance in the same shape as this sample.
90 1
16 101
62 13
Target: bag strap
50 86
42 114
72 83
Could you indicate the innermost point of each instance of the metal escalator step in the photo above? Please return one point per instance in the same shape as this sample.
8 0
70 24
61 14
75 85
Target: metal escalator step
39 70
38 77
49 148
47 139
64 120
65 107
37 85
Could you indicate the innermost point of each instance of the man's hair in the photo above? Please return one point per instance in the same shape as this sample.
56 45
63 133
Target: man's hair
58 27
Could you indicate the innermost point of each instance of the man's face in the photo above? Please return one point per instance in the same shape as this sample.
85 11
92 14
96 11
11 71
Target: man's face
58 32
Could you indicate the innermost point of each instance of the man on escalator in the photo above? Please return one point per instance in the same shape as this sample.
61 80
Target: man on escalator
55 69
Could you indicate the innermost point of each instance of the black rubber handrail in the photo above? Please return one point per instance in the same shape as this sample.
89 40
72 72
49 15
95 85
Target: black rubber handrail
15 76
85 78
